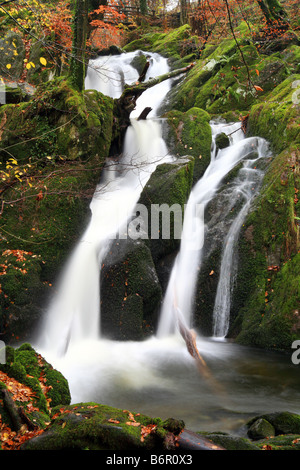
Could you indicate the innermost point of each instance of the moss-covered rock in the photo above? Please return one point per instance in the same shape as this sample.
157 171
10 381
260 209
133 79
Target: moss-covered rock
130 291
40 385
90 426
283 422
261 429
277 118
222 141
168 187
167 44
190 133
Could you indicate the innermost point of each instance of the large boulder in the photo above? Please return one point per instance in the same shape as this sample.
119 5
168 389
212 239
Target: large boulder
91 426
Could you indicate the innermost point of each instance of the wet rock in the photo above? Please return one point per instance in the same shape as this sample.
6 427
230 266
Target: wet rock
222 140
261 429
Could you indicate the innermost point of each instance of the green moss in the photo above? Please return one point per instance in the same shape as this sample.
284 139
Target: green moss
190 133
28 367
266 297
167 44
277 118
98 427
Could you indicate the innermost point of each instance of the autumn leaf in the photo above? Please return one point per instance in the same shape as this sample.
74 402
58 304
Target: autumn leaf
257 72
43 61
258 88
8 66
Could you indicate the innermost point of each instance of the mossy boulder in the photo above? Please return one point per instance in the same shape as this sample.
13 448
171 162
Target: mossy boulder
130 291
91 426
261 429
190 133
60 122
219 81
168 188
22 292
42 385
283 422
222 141
283 442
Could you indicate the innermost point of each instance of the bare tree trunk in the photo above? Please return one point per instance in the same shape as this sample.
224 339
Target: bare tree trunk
80 23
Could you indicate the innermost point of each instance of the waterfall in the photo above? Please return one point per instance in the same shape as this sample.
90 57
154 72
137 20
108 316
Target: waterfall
157 376
178 301
246 187
74 313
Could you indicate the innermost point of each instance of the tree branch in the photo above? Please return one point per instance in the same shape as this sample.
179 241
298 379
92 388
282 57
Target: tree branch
124 105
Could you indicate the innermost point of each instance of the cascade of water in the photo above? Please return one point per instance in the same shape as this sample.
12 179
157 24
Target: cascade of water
74 314
246 187
178 301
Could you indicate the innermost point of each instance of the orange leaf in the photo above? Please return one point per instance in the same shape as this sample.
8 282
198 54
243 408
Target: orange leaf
258 88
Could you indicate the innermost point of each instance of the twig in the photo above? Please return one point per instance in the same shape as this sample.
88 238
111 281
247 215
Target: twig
238 46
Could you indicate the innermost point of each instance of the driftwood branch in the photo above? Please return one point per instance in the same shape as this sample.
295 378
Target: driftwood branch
144 113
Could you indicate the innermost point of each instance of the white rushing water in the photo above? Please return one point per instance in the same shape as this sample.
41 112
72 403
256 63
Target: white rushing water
74 314
178 301
157 376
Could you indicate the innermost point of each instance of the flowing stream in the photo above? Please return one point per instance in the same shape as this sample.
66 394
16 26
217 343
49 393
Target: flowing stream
158 376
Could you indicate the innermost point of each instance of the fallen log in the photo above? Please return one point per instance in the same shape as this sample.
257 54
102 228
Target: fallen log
132 92
124 105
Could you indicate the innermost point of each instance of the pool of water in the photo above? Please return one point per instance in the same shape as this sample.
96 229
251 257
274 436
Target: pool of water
158 377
